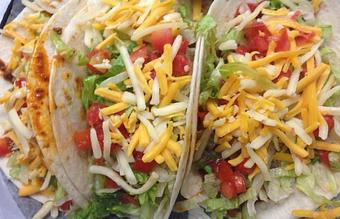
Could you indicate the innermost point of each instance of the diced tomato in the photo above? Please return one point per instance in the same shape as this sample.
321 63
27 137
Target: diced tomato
181 65
153 74
222 102
20 82
304 38
324 157
5 146
257 35
93 114
296 15
99 161
110 184
97 56
140 53
282 42
200 118
240 183
330 122
114 147
244 170
128 199
140 165
66 205
259 43
257 29
154 55
124 132
251 6
184 46
242 49
160 38
286 74
227 188
223 170
82 139
100 134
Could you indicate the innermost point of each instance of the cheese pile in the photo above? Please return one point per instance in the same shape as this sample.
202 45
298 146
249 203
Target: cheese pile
154 112
32 172
245 118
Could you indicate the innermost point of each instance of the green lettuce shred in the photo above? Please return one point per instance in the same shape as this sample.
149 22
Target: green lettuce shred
220 204
205 25
210 185
326 31
227 70
334 160
62 48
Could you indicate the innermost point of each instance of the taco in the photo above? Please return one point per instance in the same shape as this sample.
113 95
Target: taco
122 109
30 157
267 126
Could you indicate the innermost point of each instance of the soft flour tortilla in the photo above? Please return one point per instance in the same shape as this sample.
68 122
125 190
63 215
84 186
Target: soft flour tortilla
68 113
38 102
328 14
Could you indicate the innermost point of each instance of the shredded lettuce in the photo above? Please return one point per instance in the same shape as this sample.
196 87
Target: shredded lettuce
245 214
103 205
62 48
275 4
326 31
334 160
306 184
141 177
233 34
205 25
82 59
147 201
227 70
281 172
324 178
329 56
280 188
332 100
59 194
210 185
249 194
220 204
89 85
14 167
185 12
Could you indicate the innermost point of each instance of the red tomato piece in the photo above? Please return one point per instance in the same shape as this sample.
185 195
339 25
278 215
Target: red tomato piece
244 170
154 55
223 170
114 147
140 53
100 134
200 118
97 56
259 43
296 15
324 157
282 42
222 102
242 49
227 188
5 146
304 38
330 122
82 139
124 132
140 165
128 199
93 114
20 82
110 184
184 46
257 29
181 65
240 183
160 38
66 205
153 74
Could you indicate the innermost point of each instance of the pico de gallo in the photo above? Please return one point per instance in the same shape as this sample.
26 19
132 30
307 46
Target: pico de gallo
267 115
135 96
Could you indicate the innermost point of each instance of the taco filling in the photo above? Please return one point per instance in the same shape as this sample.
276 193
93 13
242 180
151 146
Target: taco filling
267 115
135 97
